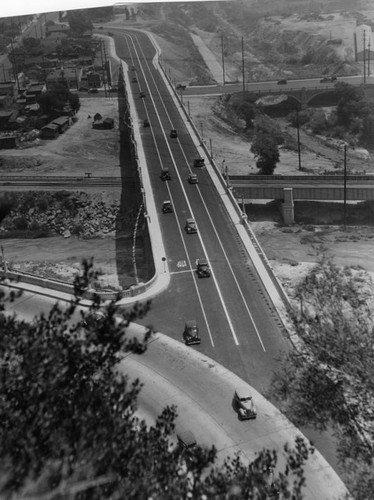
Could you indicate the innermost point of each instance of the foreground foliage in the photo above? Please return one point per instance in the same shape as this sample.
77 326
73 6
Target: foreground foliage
328 381
69 425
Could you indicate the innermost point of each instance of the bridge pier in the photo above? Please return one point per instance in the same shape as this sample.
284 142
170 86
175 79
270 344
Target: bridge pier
287 206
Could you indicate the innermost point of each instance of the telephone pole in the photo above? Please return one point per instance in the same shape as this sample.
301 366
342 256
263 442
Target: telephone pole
223 60
364 40
243 64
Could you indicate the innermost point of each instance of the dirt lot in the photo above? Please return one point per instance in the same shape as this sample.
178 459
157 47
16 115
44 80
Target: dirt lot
79 150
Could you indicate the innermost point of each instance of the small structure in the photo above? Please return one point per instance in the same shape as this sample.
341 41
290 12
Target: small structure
62 122
50 131
9 141
107 123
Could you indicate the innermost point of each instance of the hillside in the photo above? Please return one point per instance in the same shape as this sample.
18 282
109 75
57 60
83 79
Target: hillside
309 43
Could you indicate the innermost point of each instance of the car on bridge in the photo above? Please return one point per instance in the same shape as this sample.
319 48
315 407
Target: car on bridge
167 207
243 403
165 174
202 268
192 179
199 162
190 226
191 333
282 82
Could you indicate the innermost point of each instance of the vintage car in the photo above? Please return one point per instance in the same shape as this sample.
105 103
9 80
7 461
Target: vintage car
186 439
191 333
199 162
202 268
165 174
146 123
167 207
243 403
180 86
190 226
173 133
192 179
142 95
282 82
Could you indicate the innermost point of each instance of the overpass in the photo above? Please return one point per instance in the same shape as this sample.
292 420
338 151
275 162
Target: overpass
287 189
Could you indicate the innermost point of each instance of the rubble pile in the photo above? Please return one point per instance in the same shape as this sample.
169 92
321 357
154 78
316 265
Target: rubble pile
80 214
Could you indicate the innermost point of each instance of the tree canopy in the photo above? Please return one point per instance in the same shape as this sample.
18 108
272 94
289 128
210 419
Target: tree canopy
69 425
328 380
265 149
54 100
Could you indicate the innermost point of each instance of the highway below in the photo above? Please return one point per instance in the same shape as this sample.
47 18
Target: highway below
238 324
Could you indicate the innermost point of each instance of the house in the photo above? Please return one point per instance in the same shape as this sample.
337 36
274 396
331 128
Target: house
69 77
9 141
93 79
49 131
7 117
56 30
62 122
5 101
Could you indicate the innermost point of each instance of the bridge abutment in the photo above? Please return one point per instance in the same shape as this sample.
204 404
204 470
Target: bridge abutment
287 206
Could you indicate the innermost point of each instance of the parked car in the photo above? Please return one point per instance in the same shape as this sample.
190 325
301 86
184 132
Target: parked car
93 90
202 268
243 403
173 133
192 179
167 207
165 174
180 86
199 162
83 89
282 82
190 226
113 89
142 95
191 333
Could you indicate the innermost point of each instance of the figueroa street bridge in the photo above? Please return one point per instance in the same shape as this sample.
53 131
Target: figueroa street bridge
287 189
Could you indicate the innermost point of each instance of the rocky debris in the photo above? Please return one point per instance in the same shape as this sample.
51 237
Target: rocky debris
66 214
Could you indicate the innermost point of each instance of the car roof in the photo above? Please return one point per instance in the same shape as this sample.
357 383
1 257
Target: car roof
190 220
166 201
243 391
187 437
203 262
191 323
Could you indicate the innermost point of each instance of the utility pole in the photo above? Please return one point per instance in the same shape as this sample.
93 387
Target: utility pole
369 57
364 37
223 60
14 65
102 64
345 184
298 137
243 77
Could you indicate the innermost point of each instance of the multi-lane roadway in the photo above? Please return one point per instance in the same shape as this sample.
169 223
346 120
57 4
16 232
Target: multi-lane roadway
238 324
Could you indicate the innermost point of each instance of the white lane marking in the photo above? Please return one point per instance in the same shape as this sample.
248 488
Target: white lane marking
172 200
185 194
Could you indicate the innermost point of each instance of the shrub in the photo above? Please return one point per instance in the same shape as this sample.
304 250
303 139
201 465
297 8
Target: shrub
20 222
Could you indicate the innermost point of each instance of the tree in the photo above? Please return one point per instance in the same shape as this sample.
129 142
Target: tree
54 100
328 380
78 22
265 149
69 428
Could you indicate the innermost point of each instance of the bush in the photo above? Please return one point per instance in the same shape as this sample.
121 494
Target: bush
20 222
